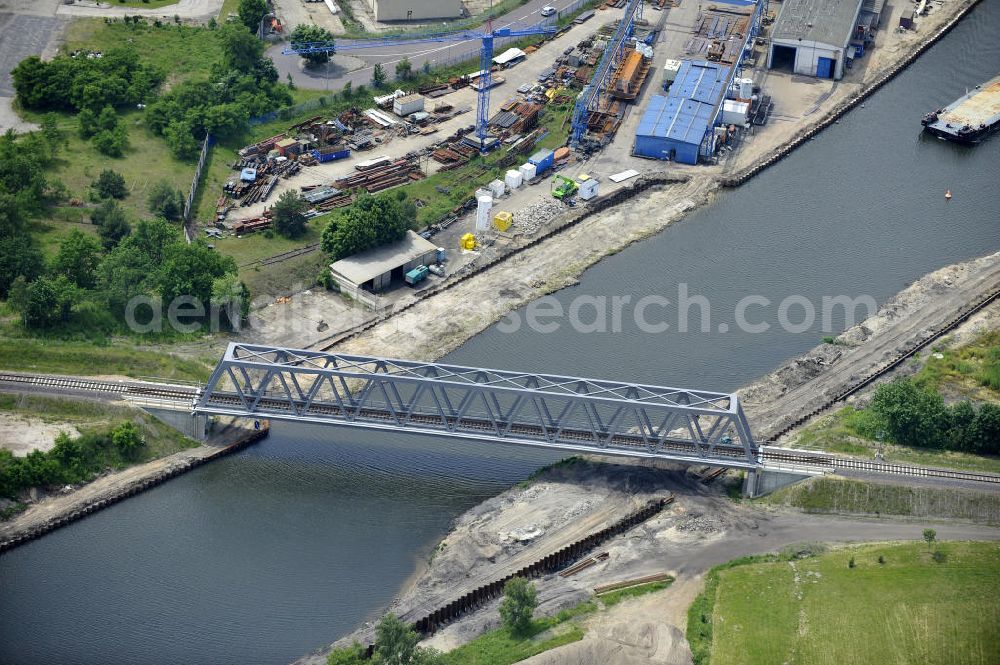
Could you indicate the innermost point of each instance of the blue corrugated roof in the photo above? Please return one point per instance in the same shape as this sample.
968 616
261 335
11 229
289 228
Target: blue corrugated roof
700 80
676 118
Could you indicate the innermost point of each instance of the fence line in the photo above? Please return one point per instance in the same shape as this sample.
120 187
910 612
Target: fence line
189 231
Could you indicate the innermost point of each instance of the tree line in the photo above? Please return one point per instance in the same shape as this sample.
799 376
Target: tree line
904 413
71 460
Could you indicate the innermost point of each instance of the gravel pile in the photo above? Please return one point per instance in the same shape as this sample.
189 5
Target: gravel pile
529 219
701 524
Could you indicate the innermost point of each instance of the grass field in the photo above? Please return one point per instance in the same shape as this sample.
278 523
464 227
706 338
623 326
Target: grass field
819 611
53 356
183 51
146 161
971 370
499 647
86 415
839 495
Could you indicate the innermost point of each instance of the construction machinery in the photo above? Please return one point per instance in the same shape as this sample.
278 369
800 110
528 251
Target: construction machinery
485 75
563 187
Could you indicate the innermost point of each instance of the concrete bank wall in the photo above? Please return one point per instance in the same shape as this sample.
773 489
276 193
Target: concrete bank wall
120 494
843 107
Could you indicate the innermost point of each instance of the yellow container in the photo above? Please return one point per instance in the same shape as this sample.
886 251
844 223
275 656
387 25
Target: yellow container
503 220
468 241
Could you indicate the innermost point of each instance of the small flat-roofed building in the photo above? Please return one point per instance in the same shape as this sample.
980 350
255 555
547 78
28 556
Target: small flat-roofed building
415 10
812 37
374 270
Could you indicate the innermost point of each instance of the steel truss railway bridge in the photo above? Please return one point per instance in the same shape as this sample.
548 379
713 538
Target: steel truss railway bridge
559 412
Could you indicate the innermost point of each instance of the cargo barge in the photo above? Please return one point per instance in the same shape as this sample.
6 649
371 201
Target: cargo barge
970 118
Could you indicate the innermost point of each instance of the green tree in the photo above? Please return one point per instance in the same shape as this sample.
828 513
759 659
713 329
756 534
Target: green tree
179 139
110 185
347 91
368 222
77 259
107 120
379 76
165 201
308 33
54 136
519 602
251 14
930 535
241 50
404 70
191 270
128 439
232 297
910 415
288 216
47 302
109 217
112 142
131 268
352 655
395 642
984 435
19 257
88 123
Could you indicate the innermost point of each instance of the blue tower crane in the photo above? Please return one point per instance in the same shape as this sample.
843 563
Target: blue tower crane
485 57
592 95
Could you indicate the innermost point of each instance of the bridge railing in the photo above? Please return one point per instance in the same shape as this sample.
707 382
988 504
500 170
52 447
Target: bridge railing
583 414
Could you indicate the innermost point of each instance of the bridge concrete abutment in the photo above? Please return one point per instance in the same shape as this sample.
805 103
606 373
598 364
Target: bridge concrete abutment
194 425
759 482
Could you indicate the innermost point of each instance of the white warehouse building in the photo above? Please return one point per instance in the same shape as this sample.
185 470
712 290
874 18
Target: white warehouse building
415 10
812 37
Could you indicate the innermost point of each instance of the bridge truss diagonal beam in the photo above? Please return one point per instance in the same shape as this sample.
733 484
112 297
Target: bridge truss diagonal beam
587 415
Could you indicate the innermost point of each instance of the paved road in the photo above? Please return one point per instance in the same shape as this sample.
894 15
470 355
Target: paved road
187 9
357 67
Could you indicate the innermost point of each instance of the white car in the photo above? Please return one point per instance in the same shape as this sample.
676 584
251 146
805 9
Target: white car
548 10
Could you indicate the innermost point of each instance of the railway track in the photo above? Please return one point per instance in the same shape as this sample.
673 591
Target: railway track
119 388
873 376
834 463
765 455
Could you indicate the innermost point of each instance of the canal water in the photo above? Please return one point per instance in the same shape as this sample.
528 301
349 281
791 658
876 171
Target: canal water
267 554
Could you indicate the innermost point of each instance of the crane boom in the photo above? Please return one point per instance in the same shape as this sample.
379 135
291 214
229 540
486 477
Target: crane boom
485 56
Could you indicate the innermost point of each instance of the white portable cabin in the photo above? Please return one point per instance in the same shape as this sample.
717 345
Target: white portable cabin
588 187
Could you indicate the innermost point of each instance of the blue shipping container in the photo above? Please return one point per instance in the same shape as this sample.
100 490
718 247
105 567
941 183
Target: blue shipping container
330 156
542 160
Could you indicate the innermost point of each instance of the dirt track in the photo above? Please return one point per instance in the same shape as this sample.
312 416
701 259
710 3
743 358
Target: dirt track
701 529
902 323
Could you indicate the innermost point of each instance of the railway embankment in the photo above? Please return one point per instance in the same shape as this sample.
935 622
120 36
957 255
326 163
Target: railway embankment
59 510
703 525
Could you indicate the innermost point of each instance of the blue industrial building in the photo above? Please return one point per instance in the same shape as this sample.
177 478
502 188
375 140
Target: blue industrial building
675 127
